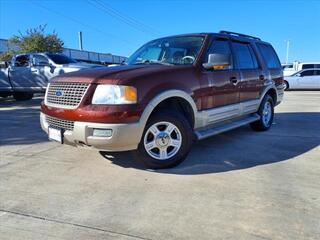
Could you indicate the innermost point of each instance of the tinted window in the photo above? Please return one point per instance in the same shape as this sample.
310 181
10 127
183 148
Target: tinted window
307 66
61 59
269 56
307 73
219 46
22 61
40 60
171 50
317 72
245 56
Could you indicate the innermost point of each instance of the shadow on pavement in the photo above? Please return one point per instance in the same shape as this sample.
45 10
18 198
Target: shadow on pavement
19 122
293 134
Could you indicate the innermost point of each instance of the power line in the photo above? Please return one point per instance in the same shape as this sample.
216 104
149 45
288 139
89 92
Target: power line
124 18
81 23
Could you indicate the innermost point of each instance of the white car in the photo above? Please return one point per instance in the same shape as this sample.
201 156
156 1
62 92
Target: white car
304 79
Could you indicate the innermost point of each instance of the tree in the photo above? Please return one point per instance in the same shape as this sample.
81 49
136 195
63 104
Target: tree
34 40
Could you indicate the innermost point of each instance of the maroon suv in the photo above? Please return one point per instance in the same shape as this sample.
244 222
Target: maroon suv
170 92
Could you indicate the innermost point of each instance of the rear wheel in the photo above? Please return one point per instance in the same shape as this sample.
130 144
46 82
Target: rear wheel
166 140
266 112
22 96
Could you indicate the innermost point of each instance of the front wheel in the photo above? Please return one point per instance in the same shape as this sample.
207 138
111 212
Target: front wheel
266 112
166 140
286 87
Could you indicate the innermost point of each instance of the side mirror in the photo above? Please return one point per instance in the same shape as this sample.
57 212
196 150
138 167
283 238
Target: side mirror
217 61
298 75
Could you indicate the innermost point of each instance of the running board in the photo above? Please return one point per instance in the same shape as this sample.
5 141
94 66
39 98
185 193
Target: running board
229 126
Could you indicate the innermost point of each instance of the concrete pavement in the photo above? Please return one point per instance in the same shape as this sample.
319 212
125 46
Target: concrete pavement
237 185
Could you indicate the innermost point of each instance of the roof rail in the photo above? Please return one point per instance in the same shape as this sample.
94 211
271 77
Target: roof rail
239 34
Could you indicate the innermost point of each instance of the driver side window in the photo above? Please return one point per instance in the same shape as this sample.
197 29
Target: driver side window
40 60
219 46
307 73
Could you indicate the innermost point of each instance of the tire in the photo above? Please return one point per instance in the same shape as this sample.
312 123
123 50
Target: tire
166 149
22 96
266 112
287 86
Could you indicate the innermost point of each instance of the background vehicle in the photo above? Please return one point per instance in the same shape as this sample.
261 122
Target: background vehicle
30 73
290 69
304 79
171 91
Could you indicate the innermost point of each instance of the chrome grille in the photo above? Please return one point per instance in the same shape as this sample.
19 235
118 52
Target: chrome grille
60 123
65 95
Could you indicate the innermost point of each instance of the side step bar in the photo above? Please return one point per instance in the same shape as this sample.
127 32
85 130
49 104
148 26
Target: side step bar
220 129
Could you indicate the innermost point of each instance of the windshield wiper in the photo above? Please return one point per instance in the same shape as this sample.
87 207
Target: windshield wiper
147 61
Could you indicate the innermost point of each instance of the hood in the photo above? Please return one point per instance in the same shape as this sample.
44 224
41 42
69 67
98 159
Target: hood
114 75
80 65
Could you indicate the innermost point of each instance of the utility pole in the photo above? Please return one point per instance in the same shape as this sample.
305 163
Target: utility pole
80 41
287 52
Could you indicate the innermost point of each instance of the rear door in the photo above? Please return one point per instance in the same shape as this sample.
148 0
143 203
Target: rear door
250 71
21 75
218 88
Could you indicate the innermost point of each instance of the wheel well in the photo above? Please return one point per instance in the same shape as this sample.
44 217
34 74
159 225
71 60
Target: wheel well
177 104
272 92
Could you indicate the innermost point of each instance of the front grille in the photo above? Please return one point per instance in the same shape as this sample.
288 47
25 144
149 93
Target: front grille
65 95
59 123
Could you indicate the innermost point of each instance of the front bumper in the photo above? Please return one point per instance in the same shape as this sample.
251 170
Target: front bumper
124 137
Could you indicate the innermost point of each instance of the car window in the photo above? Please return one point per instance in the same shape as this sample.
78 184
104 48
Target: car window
220 46
308 66
317 72
269 55
40 60
182 50
60 58
307 73
22 61
245 56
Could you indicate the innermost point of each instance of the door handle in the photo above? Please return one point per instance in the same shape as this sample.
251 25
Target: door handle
261 77
233 80
34 70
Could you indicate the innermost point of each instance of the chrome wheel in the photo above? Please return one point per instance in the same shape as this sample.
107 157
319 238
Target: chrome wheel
266 113
162 140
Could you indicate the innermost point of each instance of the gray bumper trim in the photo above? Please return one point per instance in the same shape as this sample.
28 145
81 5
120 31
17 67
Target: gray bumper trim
124 136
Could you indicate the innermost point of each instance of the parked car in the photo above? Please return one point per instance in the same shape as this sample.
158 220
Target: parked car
30 73
304 79
290 69
171 91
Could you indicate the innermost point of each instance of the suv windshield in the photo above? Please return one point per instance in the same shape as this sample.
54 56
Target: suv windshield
60 58
171 50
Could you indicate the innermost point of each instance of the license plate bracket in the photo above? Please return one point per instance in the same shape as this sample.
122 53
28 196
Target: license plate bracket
55 134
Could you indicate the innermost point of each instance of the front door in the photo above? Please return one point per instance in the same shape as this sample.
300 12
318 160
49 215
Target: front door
307 79
220 87
41 70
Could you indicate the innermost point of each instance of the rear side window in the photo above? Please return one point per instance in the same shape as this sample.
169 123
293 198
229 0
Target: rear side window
245 56
269 56
307 66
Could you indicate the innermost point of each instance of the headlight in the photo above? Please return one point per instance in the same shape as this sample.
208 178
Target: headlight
114 94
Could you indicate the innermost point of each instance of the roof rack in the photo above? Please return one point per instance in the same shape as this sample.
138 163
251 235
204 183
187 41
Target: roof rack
239 34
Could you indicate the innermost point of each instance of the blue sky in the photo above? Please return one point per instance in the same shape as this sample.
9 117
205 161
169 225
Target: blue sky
121 26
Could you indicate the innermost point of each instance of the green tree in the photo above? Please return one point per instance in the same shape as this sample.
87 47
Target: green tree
34 40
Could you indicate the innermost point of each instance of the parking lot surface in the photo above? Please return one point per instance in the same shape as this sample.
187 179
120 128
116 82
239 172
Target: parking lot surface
237 185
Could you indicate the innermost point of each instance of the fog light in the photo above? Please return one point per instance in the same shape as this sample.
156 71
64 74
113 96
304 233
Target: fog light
102 132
